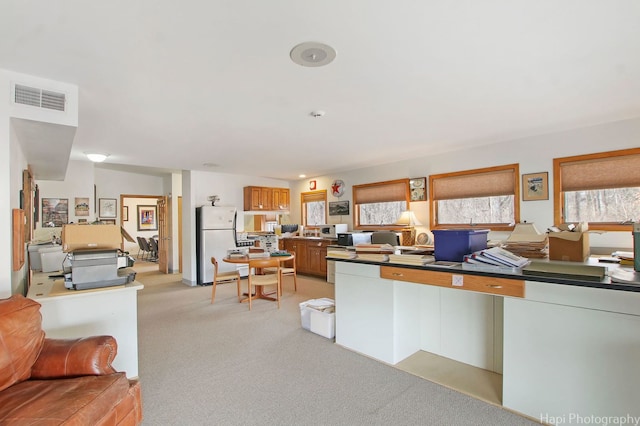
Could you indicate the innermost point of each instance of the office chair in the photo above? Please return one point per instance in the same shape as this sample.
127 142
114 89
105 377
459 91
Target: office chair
385 237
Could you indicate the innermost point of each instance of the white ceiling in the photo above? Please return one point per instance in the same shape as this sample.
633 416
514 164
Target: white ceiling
175 85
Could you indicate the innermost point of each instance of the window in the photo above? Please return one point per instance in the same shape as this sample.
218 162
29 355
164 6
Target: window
314 207
486 197
602 189
380 204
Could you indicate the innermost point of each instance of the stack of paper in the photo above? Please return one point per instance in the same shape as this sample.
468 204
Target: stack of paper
341 254
374 248
259 255
497 256
527 241
411 259
374 257
626 257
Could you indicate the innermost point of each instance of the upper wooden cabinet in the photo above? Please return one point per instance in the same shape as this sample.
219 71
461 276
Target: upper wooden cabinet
280 198
265 198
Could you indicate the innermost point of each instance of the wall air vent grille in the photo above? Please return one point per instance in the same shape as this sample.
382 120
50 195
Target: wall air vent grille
39 98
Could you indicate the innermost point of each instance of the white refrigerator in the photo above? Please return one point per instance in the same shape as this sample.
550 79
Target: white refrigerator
215 234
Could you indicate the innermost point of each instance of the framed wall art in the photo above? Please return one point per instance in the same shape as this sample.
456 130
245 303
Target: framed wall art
108 207
82 206
55 212
418 187
338 208
147 218
535 186
125 213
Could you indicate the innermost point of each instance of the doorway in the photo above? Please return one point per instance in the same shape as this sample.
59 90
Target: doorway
146 217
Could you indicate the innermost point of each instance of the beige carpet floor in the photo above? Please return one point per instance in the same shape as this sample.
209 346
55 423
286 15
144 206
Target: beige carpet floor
221 364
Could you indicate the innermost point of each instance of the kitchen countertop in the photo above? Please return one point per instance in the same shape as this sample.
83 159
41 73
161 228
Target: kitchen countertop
605 283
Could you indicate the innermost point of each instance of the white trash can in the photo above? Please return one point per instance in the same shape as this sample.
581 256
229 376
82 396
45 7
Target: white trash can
318 316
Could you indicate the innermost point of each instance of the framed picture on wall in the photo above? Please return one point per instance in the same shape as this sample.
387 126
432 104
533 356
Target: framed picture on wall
147 218
418 187
338 208
125 213
82 206
55 212
108 207
535 186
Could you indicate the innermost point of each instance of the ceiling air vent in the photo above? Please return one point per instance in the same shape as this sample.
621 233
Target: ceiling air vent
39 98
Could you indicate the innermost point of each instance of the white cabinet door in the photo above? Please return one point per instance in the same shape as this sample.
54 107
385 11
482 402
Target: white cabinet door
561 361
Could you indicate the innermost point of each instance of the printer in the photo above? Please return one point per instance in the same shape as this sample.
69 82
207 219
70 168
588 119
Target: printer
87 269
92 257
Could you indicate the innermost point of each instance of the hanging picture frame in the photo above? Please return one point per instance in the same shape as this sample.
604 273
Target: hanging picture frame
108 208
418 187
55 212
535 186
82 206
147 218
125 213
338 208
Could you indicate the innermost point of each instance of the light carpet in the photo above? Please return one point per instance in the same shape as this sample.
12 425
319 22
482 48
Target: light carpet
221 364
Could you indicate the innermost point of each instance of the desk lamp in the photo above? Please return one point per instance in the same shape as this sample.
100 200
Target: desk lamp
409 220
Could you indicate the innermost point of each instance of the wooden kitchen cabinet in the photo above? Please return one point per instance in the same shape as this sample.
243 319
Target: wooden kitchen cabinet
280 198
317 257
257 198
311 254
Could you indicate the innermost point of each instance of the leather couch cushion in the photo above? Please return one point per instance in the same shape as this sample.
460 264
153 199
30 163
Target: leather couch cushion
21 338
87 400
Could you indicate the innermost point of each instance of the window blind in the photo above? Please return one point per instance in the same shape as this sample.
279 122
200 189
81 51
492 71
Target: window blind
615 169
494 181
308 197
381 192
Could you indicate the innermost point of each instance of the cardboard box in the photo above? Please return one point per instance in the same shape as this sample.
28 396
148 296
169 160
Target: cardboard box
569 246
90 237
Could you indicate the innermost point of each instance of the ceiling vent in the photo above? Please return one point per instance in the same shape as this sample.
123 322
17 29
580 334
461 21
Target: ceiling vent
40 98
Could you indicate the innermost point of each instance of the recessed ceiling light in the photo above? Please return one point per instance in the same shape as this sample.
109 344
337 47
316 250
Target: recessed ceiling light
312 54
96 157
302 176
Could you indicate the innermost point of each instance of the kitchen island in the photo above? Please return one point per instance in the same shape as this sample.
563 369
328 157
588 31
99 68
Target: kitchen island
546 348
112 311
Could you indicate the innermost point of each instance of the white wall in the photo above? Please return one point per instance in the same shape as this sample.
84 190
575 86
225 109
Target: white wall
196 187
13 161
534 154
78 182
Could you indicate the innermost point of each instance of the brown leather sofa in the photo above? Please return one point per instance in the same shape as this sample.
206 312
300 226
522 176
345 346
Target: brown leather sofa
53 381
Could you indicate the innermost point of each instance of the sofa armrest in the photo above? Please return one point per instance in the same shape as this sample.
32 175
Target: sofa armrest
75 357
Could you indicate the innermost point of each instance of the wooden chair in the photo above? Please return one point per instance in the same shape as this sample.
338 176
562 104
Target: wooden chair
222 277
289 269
258 282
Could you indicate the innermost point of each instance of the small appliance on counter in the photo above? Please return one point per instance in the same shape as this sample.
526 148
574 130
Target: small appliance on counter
354 238
332 231
88 269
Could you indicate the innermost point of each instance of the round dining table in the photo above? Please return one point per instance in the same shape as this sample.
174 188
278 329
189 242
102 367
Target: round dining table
245 260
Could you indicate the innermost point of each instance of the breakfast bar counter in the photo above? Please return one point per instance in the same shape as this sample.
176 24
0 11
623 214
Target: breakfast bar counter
112 311
556 346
